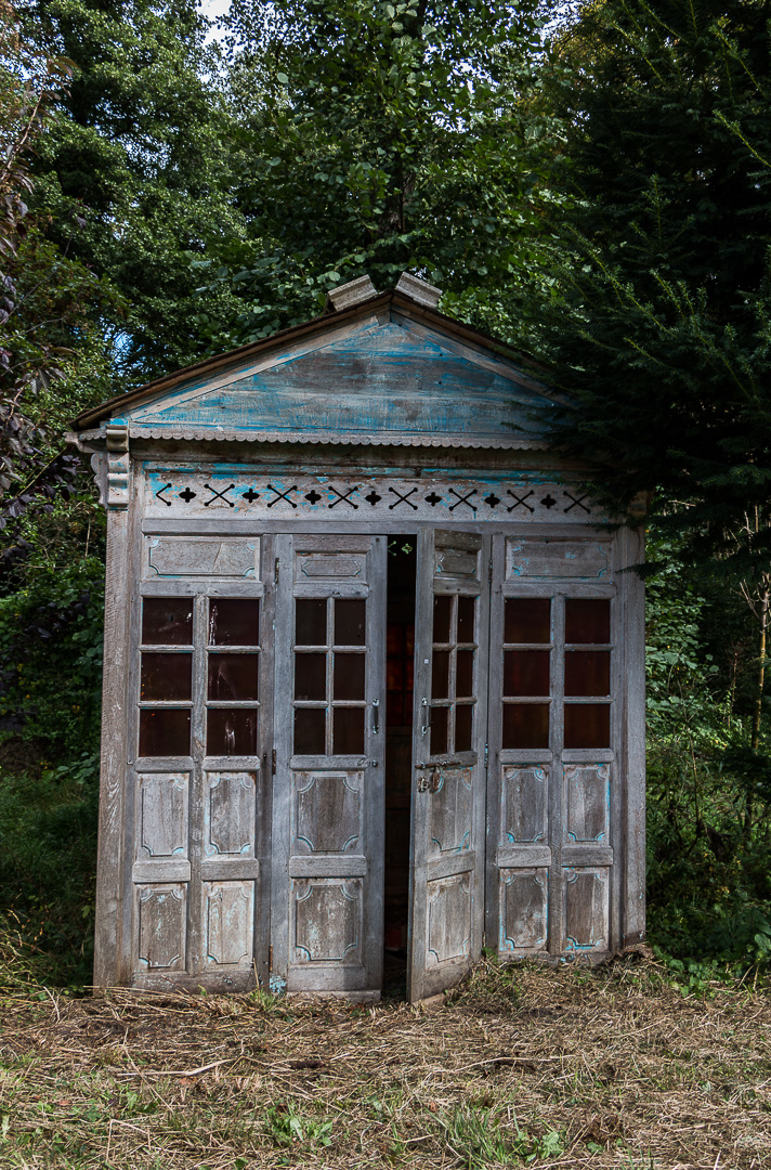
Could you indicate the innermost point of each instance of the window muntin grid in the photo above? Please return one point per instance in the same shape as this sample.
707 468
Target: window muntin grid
232 676
453 673
166 676
587 673
231 655
527 651
582 687
329 697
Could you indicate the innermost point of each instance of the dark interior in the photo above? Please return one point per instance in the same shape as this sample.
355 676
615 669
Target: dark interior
399 686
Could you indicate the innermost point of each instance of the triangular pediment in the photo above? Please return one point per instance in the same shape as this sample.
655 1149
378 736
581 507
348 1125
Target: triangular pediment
379 378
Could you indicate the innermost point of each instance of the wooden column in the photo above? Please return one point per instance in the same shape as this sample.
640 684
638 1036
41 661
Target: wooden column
632 552
114 473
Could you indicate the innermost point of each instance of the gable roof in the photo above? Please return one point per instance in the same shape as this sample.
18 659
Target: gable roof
386 370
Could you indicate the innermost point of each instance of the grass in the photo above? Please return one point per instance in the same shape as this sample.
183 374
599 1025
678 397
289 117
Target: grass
521 1066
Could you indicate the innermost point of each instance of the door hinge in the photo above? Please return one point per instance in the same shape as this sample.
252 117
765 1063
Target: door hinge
490 570
273 762
487 756
275 570
270 958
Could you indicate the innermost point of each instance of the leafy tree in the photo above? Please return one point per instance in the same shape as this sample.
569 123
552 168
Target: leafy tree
663 331
135 168
48 302
377 137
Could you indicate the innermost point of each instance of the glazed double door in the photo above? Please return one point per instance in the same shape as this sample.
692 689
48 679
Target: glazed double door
256 805
328 816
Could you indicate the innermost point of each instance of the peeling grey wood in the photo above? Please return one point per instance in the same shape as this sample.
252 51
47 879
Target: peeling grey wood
556 847
631 552
110 883
448 791
238 491
328 828
187 556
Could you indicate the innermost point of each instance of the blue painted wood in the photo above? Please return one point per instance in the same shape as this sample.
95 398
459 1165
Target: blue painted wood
384 380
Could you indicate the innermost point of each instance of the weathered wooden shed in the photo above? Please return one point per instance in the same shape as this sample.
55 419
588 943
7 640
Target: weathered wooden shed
373 667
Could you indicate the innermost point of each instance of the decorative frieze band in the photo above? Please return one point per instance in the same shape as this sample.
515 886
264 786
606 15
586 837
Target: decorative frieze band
191 492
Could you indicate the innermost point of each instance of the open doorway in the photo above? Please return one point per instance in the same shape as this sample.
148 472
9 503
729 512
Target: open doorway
400 643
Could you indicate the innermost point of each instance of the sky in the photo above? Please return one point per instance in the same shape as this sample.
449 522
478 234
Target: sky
214 8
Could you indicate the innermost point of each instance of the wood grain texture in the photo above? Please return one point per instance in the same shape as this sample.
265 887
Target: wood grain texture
206 862
328 808
110 883
632 805
384 379
448 789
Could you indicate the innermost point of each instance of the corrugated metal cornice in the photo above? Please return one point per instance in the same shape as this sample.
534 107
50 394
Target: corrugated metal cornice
341 438
235 357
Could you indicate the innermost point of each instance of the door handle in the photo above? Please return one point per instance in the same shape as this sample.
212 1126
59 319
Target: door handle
375 716
426 725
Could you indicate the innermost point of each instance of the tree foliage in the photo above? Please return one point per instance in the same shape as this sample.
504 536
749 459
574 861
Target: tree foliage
663 331
135 168
377 137
50 303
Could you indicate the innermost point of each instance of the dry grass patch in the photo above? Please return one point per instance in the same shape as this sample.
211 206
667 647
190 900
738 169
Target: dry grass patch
521 1066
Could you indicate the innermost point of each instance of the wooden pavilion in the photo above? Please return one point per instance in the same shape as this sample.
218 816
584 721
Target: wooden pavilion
373 682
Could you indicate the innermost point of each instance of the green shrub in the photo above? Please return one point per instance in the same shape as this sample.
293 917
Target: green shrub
51 650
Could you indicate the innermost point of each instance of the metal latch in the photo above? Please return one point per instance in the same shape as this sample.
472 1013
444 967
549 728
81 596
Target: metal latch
430 783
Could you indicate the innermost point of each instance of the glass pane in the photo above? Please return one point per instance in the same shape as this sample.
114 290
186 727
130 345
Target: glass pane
350 616
233 676
231 733
587 725
348 731
463 718
310 676
587 672
309 724
525 725
164 733
526 672
464 673
587 620
440 674
439 731
527 619
234 621
310 621
442 611
349 676
466 606
167 621
166 676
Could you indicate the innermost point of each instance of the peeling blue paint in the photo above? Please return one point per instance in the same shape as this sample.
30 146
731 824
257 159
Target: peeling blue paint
386 379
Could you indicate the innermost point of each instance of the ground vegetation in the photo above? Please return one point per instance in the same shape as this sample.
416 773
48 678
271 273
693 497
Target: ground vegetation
628 1067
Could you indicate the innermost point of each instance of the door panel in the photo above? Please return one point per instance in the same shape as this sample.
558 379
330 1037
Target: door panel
328 828
552 761
199 804
449 732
